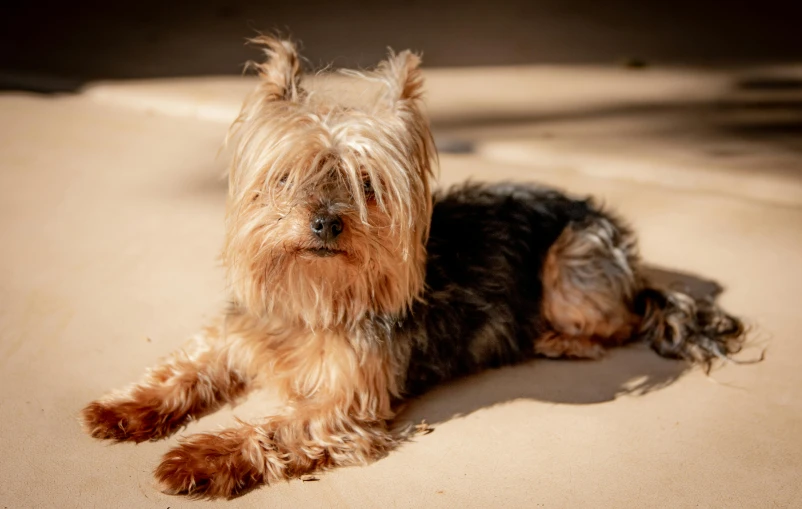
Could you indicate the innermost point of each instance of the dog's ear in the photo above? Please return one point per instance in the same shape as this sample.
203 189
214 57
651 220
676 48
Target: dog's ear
403 80
402 76
281 71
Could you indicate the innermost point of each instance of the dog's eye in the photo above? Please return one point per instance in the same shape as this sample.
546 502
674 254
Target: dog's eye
283 182
367 187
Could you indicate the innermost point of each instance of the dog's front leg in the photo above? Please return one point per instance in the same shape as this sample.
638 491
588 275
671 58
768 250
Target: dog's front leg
340 390
192 382
229 463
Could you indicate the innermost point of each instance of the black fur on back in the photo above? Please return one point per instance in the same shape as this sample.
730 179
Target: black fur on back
482 305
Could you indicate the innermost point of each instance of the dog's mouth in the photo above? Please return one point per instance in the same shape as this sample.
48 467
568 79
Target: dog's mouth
323 252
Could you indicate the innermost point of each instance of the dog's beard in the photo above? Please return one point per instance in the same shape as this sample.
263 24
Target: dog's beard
319 290
275 273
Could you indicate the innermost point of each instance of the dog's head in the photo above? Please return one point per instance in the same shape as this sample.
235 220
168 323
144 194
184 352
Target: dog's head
329 204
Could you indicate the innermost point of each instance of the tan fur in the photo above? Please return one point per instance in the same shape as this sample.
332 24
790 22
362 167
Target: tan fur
338 389
556 345
191 383
295 324
287 152
589 281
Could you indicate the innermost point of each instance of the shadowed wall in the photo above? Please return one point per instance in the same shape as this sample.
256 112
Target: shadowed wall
72 42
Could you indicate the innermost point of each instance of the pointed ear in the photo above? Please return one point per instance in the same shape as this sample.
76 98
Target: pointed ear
281 70
402 76
403 80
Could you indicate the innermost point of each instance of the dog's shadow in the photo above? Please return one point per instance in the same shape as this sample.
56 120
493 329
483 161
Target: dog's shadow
631 370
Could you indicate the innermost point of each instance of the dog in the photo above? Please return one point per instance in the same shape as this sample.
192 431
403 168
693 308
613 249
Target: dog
354 286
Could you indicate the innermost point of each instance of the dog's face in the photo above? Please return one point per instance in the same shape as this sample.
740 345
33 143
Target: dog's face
329 205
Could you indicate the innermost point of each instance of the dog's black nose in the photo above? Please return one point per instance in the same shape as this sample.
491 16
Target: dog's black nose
327 226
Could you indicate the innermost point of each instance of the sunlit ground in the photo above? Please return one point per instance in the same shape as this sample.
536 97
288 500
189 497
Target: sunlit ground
112 205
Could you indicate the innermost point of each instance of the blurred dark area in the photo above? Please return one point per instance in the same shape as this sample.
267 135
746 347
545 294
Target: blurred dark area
59 45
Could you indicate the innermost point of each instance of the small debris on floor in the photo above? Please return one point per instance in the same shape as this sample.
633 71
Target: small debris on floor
310 478
423 428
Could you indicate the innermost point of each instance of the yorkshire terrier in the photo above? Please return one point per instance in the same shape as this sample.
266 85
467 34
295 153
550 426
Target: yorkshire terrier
354 286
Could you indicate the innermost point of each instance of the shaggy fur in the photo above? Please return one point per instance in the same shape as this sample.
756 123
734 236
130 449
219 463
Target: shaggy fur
353 288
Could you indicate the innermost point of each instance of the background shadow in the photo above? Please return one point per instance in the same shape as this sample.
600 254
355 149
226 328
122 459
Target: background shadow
55 45
757 108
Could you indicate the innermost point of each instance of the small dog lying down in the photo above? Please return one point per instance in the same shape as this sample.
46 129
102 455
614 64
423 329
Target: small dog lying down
353 287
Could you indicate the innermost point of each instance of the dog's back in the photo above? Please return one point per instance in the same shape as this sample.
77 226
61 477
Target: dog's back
517 270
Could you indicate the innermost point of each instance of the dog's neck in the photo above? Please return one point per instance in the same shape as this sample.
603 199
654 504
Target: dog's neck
381 322
341 310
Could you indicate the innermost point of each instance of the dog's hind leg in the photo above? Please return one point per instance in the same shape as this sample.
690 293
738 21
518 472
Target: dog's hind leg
594 296
589 282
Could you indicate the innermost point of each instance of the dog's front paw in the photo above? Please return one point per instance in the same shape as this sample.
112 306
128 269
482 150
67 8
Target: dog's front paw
125 420
209 466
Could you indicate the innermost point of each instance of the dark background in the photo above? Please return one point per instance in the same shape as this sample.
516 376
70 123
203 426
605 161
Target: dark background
52 45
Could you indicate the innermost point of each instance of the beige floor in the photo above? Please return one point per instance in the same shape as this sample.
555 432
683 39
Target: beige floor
112 219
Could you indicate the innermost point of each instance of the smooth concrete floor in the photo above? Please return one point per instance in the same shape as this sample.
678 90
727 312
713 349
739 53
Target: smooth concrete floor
111 224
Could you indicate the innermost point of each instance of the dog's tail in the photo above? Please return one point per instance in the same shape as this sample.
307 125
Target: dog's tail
677 325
